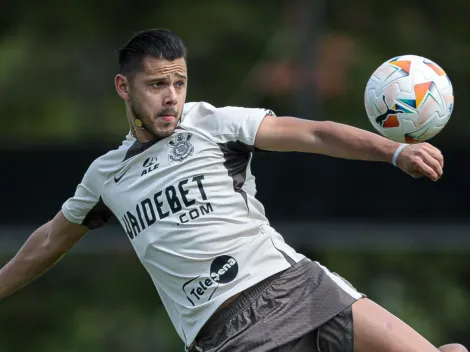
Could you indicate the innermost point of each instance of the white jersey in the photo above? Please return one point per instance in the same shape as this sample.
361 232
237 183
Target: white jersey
188 206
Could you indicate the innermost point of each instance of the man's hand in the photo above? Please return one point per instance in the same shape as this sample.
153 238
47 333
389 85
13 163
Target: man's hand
422 159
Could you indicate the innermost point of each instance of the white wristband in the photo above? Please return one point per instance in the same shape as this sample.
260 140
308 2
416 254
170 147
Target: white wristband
397 153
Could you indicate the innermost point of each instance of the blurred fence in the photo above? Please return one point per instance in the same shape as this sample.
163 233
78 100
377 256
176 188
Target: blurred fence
293 186
356 236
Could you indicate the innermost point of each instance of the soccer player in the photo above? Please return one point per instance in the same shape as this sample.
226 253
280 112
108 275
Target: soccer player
180 184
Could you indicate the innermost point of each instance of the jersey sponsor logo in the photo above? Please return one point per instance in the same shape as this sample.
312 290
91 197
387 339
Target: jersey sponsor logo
269 112
224 269
118 178
180 147
150 164
186 199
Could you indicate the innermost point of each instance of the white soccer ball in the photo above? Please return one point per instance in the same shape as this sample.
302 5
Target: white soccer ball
409 99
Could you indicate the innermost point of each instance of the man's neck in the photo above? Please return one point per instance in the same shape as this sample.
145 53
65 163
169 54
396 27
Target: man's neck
141 135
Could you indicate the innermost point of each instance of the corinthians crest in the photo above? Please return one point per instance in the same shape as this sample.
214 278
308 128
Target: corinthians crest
180 147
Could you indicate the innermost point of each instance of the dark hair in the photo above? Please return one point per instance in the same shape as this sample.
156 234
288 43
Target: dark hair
159 43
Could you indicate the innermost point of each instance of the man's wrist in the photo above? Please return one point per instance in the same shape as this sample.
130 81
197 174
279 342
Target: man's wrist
397 153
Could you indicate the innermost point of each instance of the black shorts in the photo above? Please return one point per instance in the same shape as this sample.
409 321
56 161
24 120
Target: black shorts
304 308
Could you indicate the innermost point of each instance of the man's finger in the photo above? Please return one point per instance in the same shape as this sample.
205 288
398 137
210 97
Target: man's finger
433 163
427 170
436 153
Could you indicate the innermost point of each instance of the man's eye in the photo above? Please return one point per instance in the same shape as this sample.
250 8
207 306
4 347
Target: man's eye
157 84
180 84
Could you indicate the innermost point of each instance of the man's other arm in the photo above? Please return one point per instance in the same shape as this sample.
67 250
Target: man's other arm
39 253
347 142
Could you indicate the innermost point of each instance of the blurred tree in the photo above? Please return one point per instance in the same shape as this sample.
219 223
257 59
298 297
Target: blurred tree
57 63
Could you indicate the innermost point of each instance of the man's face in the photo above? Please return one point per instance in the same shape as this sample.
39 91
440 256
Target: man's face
157 94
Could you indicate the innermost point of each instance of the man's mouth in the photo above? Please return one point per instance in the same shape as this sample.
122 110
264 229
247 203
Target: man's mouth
167 118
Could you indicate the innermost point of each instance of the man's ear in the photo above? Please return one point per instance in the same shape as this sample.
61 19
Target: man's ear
121 84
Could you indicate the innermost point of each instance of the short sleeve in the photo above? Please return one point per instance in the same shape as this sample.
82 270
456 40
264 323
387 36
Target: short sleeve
231 127
238 124
86 207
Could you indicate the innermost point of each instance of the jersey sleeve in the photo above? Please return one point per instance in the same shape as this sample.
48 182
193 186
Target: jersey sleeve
86 207
238 124
230 125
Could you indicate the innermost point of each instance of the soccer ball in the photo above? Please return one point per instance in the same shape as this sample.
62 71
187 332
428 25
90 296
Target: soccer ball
409 99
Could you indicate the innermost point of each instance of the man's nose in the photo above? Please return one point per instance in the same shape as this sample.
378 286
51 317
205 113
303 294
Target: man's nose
170 97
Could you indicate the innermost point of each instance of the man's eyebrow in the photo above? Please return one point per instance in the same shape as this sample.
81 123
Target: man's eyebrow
157 78
165 77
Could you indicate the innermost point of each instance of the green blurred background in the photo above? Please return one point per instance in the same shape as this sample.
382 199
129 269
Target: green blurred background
403 242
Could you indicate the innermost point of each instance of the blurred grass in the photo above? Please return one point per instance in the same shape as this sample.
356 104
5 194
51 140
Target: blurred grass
108 303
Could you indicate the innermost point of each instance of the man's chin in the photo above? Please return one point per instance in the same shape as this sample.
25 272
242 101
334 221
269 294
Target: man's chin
161 133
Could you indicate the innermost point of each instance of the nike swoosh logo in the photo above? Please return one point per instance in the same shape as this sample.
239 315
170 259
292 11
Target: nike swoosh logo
117 179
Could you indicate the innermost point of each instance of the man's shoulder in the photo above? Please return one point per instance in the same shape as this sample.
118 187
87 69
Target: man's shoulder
206 111
113 158
197 109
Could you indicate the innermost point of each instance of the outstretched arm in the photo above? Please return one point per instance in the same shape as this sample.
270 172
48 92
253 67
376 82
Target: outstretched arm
347 142
39 253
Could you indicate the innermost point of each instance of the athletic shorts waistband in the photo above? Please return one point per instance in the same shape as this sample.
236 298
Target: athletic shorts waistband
244 300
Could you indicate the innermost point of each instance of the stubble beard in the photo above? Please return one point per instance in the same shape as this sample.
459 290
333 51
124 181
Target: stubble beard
149 127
